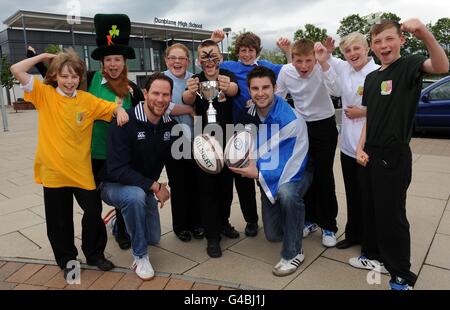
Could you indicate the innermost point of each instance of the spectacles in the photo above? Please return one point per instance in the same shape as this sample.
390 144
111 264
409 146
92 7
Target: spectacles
174 58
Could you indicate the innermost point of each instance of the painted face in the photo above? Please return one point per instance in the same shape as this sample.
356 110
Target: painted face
262 92
67 80
177 62
356 54
304 64
247 55
113 65
386 46
209 59
158 97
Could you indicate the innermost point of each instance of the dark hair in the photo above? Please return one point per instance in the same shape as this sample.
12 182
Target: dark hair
303 47
158 76
260 72
248 39
383 25
207 43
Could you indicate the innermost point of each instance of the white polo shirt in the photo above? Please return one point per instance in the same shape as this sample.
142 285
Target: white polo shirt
311 95
352 82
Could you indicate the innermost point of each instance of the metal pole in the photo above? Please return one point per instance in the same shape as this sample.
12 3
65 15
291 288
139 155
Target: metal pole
143 53
193 54
3 108
73 37
24 33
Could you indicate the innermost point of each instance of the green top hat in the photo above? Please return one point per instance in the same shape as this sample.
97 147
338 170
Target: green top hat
112 36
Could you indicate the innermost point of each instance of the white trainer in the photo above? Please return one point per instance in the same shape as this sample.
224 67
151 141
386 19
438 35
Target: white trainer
363 262
143 268
328 238
287 266
309 228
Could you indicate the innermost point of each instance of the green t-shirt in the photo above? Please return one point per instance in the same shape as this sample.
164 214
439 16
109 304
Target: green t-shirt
100 130
392 97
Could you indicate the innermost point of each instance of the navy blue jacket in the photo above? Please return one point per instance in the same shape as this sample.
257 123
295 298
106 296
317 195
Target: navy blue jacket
137 152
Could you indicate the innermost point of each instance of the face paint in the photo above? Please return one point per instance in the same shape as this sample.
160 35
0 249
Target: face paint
209 56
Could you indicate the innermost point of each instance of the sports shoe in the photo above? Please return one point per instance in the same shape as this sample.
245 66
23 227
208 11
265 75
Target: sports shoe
143 268
328 238
309 227
363 262
287 266
399 284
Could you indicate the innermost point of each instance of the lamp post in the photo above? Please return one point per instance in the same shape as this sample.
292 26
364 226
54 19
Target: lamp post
227 30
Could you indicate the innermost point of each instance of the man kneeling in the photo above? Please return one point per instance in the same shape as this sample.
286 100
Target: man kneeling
281 167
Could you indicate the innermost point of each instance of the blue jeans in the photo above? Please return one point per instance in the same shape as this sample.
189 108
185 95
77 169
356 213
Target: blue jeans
140 212
284 220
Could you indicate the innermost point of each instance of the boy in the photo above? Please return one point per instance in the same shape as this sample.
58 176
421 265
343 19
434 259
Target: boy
391 95
352 74
63 156
283 185
248 47
216 190
310 85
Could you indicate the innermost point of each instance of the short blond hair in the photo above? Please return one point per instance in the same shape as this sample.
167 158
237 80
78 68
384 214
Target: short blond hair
352 38
179 46
67 58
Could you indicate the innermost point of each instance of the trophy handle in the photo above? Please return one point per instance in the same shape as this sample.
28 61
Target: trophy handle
200 95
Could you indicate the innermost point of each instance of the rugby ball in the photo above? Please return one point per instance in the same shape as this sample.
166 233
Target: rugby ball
237 150
208 153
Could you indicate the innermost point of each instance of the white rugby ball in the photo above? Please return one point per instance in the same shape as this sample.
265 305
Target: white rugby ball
208 153
237 150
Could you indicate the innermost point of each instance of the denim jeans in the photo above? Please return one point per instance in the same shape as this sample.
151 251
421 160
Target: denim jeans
284 220
140 212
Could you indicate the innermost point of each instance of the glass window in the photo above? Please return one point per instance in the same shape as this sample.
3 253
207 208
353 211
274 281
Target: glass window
94 65
135 64
147 63
441 92
157 60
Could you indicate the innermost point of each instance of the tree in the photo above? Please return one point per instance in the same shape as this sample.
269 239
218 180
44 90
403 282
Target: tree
274 56
232 47
441 31
390 16
312 33
7 79
352 23
52 49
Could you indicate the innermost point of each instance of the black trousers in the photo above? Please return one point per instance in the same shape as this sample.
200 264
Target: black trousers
245 188
60 231
320 200
215 200
386 228
184 194
353 228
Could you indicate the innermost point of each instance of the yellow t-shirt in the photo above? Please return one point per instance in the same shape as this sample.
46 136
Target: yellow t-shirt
63 156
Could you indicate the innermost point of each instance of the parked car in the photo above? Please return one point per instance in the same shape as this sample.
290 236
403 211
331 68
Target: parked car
434 106
427 82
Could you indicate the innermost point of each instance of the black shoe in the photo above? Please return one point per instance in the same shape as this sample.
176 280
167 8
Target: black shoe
102 263
184 235
251 230
213 249
229 231
198 233
345 244
123 241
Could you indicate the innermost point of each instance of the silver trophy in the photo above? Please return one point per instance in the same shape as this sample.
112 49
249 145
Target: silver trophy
209 90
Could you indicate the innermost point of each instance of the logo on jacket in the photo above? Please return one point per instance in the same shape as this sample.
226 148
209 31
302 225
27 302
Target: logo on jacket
80 118
167 136
386 87
141 135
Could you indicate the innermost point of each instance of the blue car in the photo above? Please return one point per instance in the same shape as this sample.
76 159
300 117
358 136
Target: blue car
434 106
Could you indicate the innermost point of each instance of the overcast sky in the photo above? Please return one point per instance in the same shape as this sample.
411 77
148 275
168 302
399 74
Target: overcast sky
269 19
